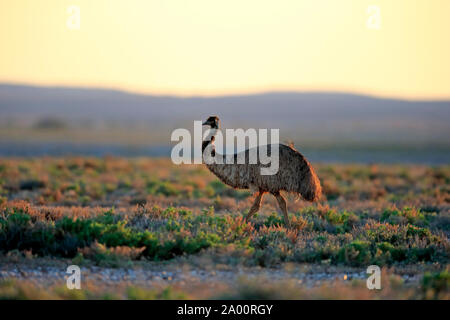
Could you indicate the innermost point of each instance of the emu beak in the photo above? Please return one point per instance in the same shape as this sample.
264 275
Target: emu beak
204 123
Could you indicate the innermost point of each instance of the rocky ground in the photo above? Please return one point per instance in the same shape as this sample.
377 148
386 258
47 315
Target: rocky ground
196 282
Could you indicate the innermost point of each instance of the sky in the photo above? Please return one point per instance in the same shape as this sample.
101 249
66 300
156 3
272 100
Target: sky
393 48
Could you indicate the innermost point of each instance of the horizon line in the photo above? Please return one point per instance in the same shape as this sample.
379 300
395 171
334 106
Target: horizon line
230 93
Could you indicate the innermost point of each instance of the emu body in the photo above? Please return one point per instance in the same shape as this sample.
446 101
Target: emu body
295 174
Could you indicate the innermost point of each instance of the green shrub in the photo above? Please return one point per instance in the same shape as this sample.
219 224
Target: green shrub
435 285
356 253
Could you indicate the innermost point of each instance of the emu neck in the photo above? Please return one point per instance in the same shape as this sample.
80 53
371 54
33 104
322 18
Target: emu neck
210 141
207 143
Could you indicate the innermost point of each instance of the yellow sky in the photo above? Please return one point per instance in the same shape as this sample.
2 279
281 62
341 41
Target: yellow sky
213 47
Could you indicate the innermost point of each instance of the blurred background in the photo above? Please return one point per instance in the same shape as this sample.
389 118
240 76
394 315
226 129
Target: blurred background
346 81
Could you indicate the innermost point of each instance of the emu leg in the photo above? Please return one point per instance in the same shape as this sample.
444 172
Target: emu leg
255 207
283 207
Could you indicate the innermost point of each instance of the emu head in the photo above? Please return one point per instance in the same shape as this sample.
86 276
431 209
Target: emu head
213 122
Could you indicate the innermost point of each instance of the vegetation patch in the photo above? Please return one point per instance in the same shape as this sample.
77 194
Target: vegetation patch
108 237
112 212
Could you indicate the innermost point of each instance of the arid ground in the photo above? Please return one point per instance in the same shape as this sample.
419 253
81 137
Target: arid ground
143 228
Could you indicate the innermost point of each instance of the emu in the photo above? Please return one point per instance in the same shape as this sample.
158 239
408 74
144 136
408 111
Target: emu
295 175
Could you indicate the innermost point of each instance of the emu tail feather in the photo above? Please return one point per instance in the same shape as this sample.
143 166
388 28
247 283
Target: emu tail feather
310 190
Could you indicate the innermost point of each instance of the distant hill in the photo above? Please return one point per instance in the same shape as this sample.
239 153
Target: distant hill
300 116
